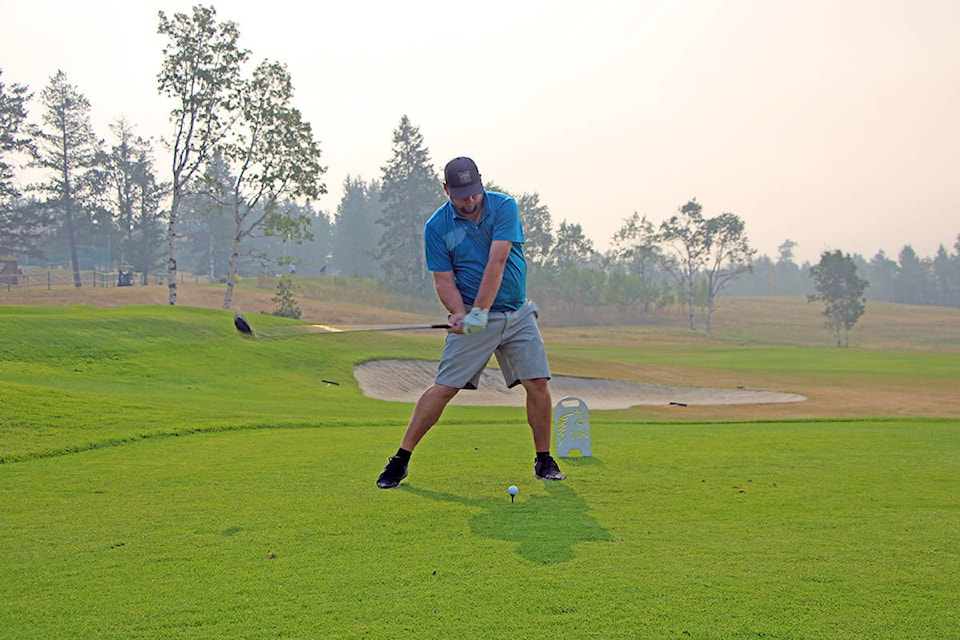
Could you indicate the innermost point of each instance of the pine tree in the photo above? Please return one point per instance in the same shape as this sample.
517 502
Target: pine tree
206 220
133 198
67 149
537 228
355 228
410 193
19 227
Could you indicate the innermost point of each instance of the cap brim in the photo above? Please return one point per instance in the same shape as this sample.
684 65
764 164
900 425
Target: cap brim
459 193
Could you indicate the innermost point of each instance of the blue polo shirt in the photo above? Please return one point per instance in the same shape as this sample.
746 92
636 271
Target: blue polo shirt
454 243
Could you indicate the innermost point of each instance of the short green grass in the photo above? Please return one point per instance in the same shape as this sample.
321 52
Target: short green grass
163 477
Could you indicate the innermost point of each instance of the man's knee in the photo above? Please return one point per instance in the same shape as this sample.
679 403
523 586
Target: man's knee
438 390
537 386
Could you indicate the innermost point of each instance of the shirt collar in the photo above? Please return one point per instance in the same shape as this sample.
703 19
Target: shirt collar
484 211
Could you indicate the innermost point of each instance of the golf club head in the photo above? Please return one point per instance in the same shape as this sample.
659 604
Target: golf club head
241 324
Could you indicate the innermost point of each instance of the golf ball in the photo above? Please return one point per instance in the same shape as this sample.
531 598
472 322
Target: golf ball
512 490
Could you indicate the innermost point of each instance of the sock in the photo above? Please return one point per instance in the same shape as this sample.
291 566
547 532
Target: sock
543 455
403 454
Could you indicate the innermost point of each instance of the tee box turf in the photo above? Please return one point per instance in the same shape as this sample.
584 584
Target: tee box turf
571 426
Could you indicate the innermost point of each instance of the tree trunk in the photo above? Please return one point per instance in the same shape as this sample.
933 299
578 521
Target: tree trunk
172 248
212 263
71 230
75 259
691 306
72 237
232 271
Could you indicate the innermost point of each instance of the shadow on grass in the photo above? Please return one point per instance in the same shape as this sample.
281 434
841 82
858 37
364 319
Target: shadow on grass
544 528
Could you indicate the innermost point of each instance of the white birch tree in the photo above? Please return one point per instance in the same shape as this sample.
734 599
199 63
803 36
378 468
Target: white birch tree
273 155
201 73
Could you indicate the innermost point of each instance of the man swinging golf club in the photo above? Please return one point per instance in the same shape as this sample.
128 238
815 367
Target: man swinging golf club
474 249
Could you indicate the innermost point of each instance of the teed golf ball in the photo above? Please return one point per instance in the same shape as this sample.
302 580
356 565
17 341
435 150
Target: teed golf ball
512 490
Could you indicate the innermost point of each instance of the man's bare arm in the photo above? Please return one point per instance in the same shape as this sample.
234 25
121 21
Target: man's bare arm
448 293
493 273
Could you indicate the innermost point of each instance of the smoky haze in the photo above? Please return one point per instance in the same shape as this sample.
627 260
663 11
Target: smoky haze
830 123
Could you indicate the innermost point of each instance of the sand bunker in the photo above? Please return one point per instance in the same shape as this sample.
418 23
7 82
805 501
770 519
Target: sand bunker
405 380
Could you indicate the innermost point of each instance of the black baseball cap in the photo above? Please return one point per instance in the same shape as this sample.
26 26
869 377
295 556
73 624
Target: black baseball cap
462 178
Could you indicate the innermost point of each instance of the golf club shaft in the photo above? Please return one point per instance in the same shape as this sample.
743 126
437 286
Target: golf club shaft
244 327
320 329
408 327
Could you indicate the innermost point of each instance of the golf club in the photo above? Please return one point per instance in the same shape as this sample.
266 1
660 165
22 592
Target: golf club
288 332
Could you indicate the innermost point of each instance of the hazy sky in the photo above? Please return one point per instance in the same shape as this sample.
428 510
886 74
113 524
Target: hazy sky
834 123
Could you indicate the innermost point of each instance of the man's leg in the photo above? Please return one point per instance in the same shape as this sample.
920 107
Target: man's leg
429 408
539 412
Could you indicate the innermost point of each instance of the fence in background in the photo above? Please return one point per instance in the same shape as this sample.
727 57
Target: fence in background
33 278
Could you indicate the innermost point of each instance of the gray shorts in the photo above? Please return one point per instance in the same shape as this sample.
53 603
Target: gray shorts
515 339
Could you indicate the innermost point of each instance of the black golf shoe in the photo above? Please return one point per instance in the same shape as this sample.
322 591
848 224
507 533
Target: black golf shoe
547 469
392 474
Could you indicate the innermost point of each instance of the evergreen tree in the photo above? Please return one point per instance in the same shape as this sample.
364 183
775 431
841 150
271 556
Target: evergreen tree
913 283
785 251
68 151
206 220
285 298
20 226
946 277
882 272
315 255
410 193
355 230
537 228
133 198
306 254
786 277
13 117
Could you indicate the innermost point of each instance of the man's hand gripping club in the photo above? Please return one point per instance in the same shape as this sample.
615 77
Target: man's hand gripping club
475 321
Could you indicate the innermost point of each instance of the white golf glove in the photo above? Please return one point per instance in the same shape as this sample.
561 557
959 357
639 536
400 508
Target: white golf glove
475 321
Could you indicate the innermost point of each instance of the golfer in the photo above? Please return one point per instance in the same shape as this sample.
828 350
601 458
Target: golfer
474 247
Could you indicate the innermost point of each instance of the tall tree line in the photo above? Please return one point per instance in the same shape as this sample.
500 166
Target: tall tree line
907 279
240 151
237 198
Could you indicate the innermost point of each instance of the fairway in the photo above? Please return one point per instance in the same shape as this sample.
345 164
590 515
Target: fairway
838 530
164 478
